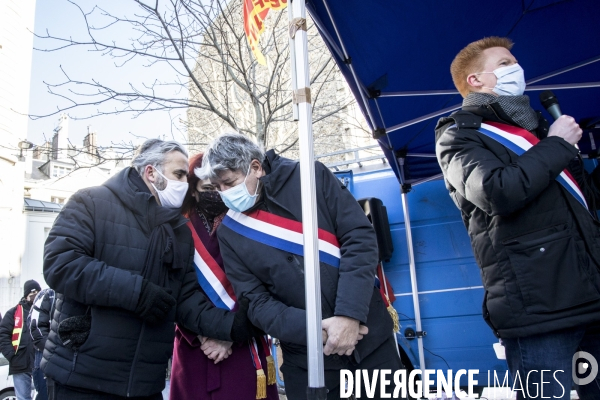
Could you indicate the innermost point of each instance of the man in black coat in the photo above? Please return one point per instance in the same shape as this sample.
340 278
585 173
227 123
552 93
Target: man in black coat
536 242
358 331
119 257
16 344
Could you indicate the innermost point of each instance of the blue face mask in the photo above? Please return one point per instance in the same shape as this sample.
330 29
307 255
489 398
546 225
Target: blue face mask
238 198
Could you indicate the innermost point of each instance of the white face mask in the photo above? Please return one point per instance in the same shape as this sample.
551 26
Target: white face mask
238 198
510 80
173 194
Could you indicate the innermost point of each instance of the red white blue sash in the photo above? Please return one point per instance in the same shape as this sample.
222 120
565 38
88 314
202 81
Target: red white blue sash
519 140
217 287
282 233
286 234
211 277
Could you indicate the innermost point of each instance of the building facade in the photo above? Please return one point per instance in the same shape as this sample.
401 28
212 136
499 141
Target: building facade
16 48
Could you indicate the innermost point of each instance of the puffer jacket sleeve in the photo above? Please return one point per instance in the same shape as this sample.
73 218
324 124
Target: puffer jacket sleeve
286 323
40 317
6 329
483 179
589 183
69 265
358 247
196 312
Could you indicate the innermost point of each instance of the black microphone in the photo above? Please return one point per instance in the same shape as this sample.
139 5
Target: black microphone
550 103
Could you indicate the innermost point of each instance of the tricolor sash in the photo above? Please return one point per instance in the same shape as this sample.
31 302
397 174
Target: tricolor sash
218 289
211 277
286 234
519 140
262 379
18 328
282 233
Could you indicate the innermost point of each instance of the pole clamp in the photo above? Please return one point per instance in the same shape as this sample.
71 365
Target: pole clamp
301 96
318 393
297 24
410 333
378 133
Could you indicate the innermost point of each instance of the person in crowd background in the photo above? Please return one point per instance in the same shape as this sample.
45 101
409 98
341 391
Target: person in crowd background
16 344
39 326
119 257
263 195
532 226
205 368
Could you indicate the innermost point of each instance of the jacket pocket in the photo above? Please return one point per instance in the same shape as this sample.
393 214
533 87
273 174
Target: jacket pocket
550 271
20 361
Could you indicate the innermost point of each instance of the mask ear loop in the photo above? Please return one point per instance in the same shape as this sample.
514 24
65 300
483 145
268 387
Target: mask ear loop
485 87
257 181
164 177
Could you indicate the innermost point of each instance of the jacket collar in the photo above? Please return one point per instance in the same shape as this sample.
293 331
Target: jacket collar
278 171
133 193
471 117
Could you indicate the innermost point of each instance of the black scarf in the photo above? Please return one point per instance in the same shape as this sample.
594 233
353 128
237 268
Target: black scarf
163 252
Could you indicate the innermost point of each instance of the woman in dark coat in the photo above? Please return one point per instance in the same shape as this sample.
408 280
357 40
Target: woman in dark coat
206 368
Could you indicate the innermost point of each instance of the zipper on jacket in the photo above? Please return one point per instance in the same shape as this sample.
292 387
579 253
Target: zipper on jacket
489 106
135 357
74 361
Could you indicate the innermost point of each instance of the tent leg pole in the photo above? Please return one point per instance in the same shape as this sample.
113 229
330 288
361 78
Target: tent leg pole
316 389
293 64
413 279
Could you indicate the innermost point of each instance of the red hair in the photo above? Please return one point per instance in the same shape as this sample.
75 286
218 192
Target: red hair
189 203
470 60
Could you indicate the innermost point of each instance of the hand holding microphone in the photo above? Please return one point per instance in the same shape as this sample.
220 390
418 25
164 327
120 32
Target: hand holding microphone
566 128
563 126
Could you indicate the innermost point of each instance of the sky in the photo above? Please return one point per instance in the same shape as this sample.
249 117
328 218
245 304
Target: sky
63 19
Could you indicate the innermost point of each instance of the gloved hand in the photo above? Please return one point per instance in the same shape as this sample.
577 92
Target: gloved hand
154 303
74 331
242 328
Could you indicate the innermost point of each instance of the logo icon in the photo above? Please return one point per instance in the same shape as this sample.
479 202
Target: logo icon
579 368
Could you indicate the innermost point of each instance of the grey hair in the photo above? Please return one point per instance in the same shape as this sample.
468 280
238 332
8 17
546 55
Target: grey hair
153 151
230 151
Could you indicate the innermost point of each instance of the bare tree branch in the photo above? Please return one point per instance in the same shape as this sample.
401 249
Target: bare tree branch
216 77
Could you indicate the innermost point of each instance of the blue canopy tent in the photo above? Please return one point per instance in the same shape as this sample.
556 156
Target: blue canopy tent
396 58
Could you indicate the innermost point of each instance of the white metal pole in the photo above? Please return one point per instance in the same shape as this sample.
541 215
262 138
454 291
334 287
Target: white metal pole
293 65
316 381
413 280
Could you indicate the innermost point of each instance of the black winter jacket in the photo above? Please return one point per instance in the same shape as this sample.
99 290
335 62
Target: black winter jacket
40 317
23 360
537 247
273 279
94 256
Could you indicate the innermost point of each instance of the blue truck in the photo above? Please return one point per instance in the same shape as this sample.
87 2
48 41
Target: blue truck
439 303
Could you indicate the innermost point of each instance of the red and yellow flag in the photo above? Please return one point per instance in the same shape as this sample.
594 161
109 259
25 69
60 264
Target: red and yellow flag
255 13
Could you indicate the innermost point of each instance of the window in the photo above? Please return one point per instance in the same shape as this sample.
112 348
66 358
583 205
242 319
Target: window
60 171
58 200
